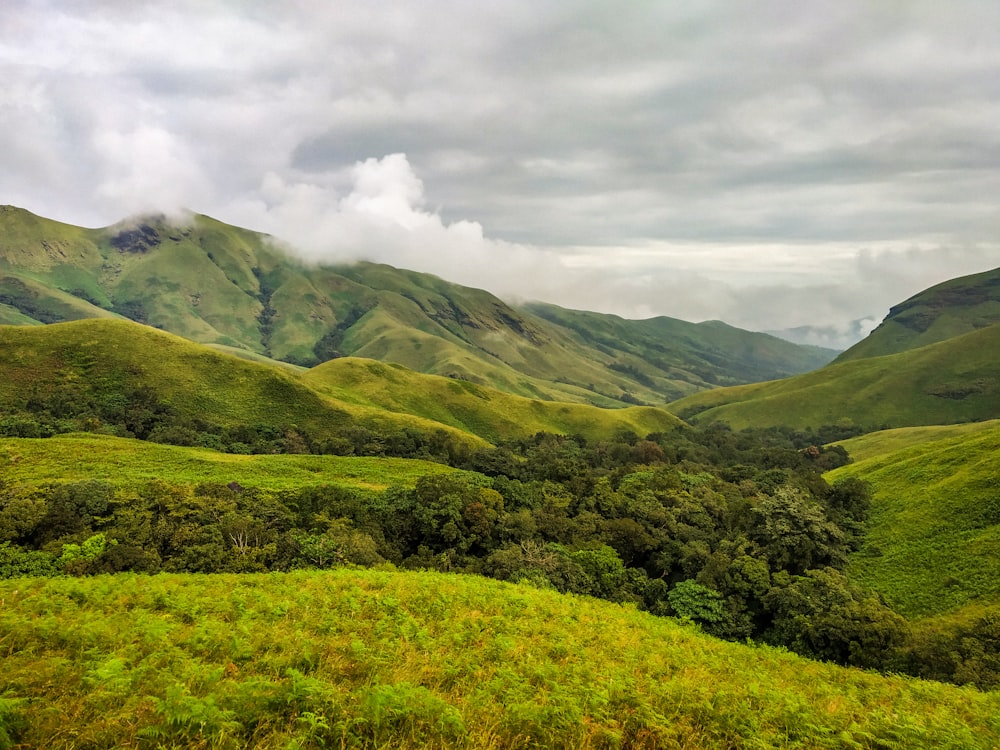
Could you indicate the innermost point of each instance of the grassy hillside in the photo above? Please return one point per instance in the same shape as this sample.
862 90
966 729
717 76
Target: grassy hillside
957 380
486 412
933 540
650 349
222 285
379 659
131 463
95 368
950 309
107 368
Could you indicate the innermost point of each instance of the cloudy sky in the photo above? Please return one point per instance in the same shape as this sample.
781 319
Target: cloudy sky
771 164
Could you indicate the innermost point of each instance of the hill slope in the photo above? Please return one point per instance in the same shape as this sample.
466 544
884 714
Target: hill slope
933 538
489 413
120 373
375 659
956 380
953 308
217 284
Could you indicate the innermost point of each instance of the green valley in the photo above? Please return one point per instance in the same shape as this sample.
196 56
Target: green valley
246 502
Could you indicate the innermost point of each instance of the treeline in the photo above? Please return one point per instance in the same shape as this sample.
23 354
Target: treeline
737 532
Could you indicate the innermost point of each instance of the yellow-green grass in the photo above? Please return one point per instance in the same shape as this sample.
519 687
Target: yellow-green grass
193 379
952 381
128 463
933 539
483 411
384 659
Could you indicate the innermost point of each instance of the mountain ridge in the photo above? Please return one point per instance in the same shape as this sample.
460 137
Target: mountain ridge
218 284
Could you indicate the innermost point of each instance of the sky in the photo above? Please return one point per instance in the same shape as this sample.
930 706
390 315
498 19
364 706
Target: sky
773 164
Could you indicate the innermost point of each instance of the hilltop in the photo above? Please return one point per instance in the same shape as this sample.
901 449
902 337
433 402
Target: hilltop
952 308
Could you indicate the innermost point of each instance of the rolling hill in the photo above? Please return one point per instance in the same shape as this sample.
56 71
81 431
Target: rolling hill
98 371
949 309
217 284
955 380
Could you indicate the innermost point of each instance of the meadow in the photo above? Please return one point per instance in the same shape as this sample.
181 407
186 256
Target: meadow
933 537
368 659
131 463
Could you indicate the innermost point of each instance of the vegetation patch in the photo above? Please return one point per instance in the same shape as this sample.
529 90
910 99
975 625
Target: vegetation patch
366 659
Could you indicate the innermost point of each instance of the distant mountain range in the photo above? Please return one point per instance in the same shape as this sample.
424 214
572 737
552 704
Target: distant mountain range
237 290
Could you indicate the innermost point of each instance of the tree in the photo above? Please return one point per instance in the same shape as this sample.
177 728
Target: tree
795 534
824 616
693 602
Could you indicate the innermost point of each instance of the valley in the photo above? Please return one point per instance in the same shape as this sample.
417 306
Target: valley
248 502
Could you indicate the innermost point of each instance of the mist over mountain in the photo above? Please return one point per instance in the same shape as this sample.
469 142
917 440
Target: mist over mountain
226 286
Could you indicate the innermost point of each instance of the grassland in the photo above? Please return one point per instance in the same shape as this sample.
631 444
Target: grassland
92 358
128 463
486 412
933 540
382 659
92 361
948 382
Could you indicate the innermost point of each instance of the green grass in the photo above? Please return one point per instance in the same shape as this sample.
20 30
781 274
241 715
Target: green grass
933 539
124 462
948 382
382 659
97 358
202 382
483 411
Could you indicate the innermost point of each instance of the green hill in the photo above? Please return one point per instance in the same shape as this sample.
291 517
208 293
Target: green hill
956 380
933 539
102 373
486 412
359 659
217 284
117 374
950 309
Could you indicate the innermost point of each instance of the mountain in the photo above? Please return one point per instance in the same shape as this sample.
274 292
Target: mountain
956 380
229 287
949 309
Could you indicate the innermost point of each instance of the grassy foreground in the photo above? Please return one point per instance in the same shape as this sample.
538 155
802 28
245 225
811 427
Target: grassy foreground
382 659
